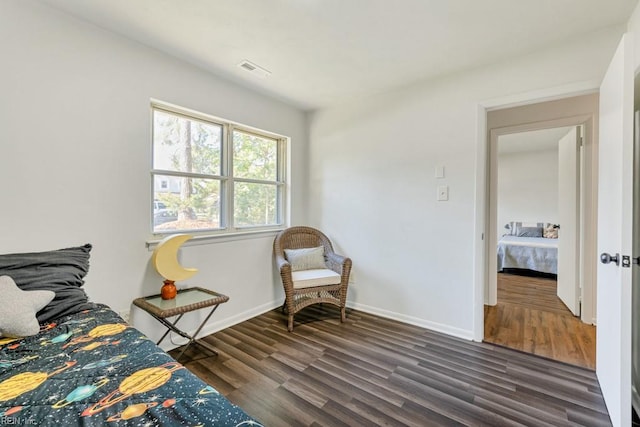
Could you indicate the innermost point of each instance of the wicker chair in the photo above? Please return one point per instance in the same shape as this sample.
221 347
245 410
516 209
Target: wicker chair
301 292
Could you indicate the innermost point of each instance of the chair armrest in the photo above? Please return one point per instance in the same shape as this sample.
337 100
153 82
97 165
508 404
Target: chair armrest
283 264
334 258
337 262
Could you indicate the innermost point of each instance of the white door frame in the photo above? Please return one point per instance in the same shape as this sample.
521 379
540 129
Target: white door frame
492 230
482 233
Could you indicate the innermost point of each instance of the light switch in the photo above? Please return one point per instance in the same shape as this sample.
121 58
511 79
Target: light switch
439 171
443 193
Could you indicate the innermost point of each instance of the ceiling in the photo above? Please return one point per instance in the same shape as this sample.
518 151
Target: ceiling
321 52
537 140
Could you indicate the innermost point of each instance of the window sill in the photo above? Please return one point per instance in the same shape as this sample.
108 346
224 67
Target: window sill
207 239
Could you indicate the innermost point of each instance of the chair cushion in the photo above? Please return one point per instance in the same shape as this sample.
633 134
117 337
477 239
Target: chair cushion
317 277
306 258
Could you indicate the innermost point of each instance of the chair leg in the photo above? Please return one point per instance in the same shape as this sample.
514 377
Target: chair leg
343 314
290 326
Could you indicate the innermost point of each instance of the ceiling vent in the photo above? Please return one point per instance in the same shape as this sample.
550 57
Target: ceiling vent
254 69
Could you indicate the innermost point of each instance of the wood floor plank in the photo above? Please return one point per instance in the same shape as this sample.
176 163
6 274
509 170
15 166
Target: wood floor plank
376 415
355 383
326 387
374 371
428 416
307 392
530 317
302 410
459 407
540 419
345 414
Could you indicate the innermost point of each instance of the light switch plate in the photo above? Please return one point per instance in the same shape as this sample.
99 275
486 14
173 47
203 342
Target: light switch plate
443 193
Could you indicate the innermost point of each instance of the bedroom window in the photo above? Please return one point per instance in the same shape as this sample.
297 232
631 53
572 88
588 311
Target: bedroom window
214 176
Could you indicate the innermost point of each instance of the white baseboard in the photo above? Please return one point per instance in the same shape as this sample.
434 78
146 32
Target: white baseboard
437 327
215 326
219 325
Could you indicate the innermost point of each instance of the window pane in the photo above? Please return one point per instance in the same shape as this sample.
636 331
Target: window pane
254 157
185 203
255 204
184 145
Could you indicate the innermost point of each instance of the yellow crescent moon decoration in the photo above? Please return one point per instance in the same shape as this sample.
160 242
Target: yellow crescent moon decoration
165 258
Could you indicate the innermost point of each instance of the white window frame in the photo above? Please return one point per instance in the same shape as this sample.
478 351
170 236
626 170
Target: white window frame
226 177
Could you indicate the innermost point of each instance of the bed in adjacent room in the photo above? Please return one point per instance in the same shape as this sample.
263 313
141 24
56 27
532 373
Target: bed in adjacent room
531 247
83 365
530 253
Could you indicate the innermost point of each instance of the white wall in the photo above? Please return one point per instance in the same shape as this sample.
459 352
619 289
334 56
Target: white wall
75 157
372 180
527 187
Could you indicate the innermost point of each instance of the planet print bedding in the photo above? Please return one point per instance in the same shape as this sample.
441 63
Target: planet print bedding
93 369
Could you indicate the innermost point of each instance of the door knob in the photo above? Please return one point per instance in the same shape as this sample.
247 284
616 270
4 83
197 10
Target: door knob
606 258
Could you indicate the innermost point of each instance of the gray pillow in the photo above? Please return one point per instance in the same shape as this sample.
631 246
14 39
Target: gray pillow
305 258
524 229
18 309
530 232
61 271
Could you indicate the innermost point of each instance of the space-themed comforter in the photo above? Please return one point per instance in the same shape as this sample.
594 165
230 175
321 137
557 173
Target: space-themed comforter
92 369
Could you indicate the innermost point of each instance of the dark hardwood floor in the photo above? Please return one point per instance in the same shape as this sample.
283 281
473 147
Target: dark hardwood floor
371 371
530 317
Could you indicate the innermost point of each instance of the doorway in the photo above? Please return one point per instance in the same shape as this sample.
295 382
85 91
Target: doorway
565 112
537 188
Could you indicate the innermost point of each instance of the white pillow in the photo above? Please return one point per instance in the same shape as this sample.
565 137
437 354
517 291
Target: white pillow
18 309
305 258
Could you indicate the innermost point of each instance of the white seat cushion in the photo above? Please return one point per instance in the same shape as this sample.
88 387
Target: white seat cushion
318 277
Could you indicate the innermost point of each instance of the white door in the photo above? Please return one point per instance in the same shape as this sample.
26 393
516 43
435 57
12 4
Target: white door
613 347
635 291
568 217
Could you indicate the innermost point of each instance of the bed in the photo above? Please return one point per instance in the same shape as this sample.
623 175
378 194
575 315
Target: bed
528 253
85 366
